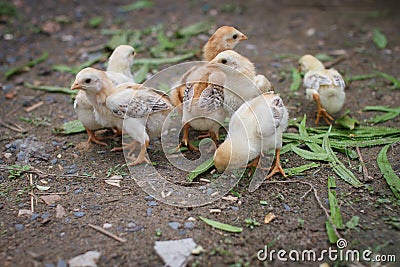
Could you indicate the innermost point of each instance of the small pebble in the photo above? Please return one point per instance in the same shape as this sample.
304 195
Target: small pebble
174 225
149 198
149 211
234 208
47 264
79 214
152 203
61 263
19 227
286 206
54 161
45 215
35 216
188 225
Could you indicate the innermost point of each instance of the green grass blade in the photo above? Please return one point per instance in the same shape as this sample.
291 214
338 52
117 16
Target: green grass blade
296 80
203 167
194 29
53 89
222 226
142 4
309 155
26 67
159 61
359 77
337 166
71 127
141 74
390 176
301 169
379 38
390 78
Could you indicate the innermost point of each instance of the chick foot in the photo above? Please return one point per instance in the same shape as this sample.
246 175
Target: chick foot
141 158
276 167
322 112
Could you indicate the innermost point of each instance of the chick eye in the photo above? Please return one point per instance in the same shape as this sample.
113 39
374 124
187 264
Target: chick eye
235 36
133 53
88 80
224 61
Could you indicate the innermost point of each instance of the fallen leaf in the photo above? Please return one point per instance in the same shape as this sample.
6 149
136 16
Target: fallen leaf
60 211
175 253
269 218
51 27
88 259
50 199
24 212
42 188
114 180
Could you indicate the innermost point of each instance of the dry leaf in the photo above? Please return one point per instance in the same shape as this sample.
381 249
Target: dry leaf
50 199
114 180
60 211
89 259
269 218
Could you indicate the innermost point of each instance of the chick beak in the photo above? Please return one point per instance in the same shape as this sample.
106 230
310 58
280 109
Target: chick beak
243 37
298 68
76 86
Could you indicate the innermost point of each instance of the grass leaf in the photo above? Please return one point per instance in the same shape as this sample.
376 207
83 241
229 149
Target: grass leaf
301 169
296 80
53 89
309 155
360 77
391 113
194 29
26 67
159 61
203 167
379 38
390 176
390 78
70 127
222 226
353 223
95 22
347 122
337 166
142 4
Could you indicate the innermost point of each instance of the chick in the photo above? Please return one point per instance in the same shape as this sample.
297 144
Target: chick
224 38
97 86
119 71
256 127
142 112
325 86
203 107
242 80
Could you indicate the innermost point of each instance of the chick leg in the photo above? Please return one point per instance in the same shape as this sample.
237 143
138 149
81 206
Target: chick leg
253 164
130 146
92 138
322 112
142 156
276 167
185 139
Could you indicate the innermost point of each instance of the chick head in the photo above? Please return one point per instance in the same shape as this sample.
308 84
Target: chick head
309 62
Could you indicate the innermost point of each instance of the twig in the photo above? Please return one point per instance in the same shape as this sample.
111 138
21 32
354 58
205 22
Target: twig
316 197
338 60
14 127
103 231
364 168
34 106
32 195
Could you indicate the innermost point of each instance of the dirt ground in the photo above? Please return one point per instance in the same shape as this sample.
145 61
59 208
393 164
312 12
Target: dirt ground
279 32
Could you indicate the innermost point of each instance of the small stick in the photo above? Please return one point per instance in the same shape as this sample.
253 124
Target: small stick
338 60
32 195
34 106
14 127
316 197
103 231
364 168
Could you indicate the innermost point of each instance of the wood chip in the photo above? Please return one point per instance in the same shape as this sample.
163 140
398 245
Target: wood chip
34 106
24 212
215 211
230 198
60 211
269 218
107 233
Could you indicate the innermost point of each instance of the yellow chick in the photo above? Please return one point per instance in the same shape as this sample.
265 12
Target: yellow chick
242 80
224 38
255 128
203 107
142 112
119 71
325 86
